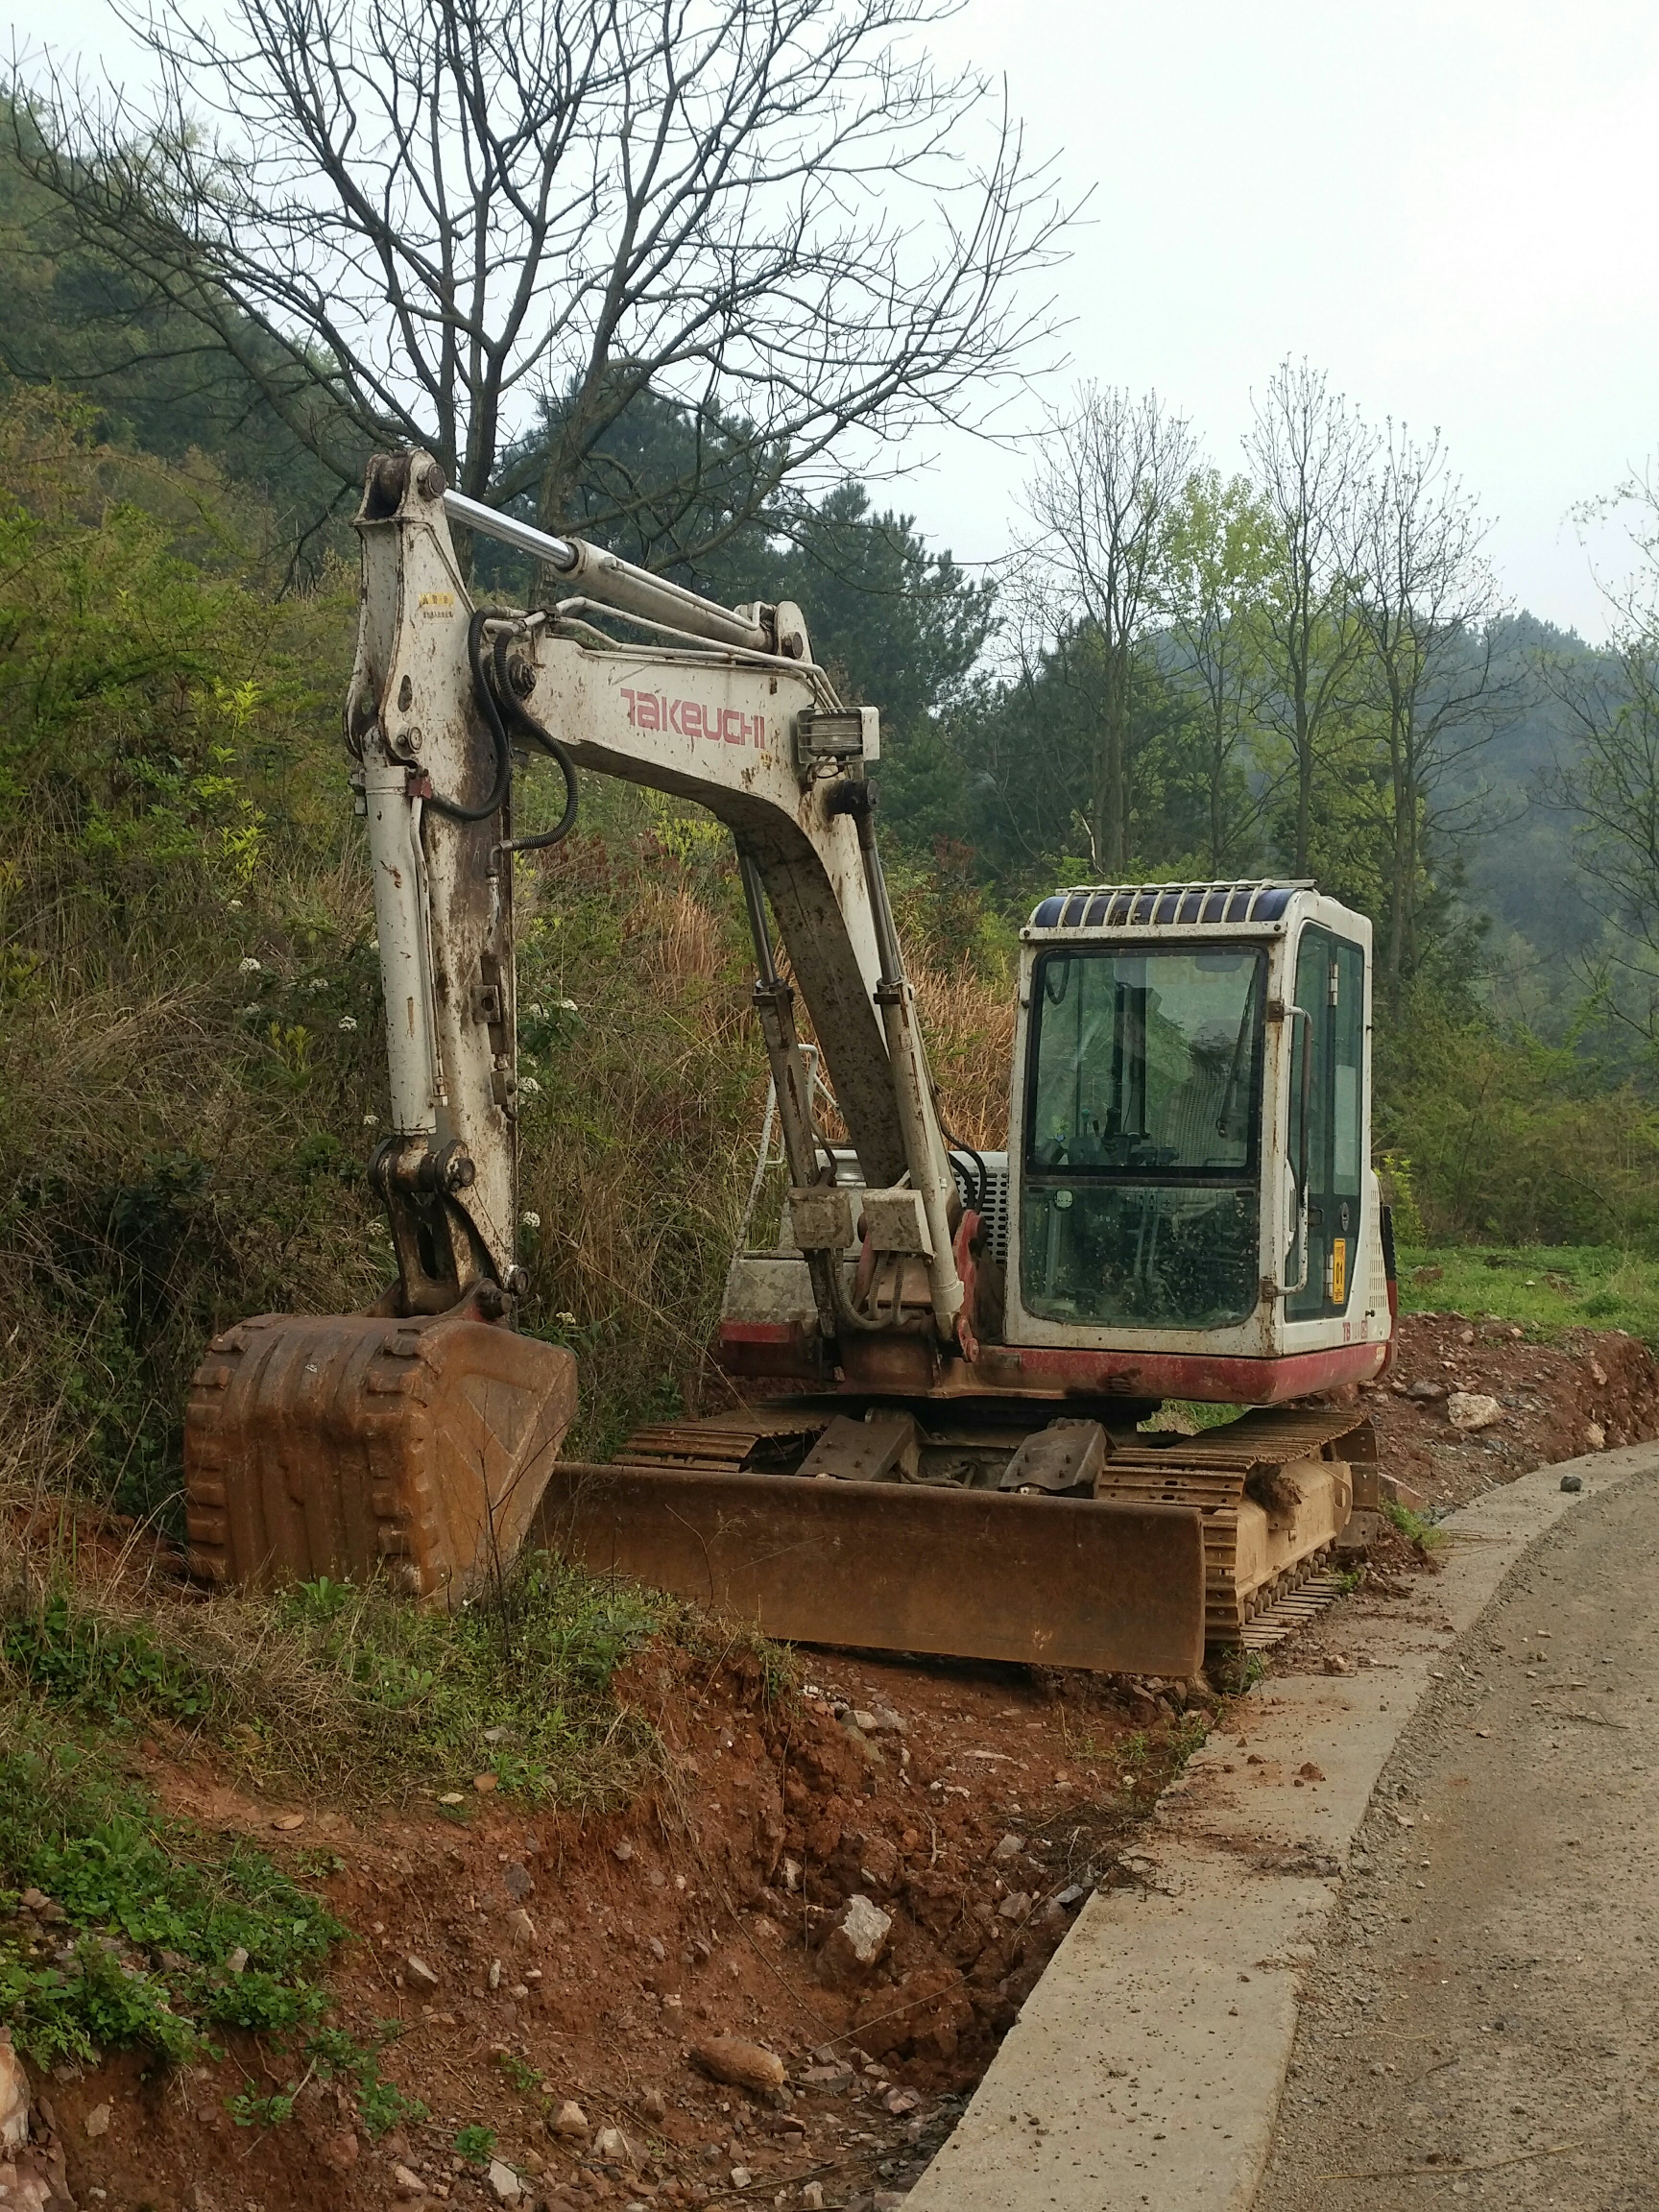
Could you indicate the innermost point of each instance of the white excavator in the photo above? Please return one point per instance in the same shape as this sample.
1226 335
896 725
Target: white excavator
942 1365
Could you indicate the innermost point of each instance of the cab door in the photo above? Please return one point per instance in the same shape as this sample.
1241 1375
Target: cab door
1328 1127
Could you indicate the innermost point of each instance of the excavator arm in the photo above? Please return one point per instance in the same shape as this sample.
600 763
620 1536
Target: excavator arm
724 708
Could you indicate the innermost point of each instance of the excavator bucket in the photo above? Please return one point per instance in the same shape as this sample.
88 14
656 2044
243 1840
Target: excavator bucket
893 1567
352 1446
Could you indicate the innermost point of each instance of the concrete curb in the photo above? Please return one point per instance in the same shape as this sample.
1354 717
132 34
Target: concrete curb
1146 2067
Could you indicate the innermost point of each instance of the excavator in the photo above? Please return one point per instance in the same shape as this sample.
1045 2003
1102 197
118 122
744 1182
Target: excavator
946 1364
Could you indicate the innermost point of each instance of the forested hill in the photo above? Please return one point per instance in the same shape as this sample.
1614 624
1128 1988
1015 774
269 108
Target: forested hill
1475 780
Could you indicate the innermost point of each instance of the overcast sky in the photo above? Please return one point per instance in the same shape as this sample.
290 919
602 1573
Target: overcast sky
1450 207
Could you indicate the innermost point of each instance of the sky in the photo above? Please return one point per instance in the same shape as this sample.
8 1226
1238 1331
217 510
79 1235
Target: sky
1448 207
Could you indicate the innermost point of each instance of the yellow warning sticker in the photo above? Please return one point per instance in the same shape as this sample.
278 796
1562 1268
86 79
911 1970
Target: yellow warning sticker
1338 1270
437 602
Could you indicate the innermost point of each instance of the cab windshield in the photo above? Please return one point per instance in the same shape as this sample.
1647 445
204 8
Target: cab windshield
1143 1134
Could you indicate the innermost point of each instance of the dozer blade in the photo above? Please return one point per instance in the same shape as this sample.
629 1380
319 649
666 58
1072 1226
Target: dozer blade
894 1567
350 1446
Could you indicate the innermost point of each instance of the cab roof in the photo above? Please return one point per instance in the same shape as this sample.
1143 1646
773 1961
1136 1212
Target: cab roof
1166 905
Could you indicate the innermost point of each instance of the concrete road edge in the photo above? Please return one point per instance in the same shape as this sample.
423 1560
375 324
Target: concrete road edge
1146 2069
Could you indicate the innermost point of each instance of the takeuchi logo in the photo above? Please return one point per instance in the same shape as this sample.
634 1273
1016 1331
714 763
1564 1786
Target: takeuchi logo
690 718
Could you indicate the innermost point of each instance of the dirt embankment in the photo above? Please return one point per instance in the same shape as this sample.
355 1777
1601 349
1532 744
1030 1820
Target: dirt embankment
1598 1389
531 1961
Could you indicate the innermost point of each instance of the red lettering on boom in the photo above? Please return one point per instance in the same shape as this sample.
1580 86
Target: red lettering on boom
690 718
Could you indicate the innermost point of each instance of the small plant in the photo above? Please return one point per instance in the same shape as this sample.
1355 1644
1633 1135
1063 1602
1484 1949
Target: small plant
250 2111
523 2077
475 2144
1413 1527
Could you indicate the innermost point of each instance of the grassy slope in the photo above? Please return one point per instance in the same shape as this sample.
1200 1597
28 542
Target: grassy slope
1546 1289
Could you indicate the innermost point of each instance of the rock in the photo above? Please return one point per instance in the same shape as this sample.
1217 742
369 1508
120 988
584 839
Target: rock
1335 1664
504 2181
1015 1906
14 2096
34 1900
812 2197
623 1851
1309 1772
420 1973
1598 1374
746 2065
236 1961
97 2121
339 2152
570 2119
407 2184
1471 1411
831 2078
741 2176
1572 1481
484 1784
289 1820
518 1883
879 1861
865 1723
1425 1393
613 2147
1010 1847
1465 1335
521 1926
900 2101
1596 1436
654 2105
887 2201
856 1938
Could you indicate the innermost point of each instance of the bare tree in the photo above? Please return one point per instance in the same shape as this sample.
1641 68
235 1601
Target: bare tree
442 221
1425 603
1309 451
1089 579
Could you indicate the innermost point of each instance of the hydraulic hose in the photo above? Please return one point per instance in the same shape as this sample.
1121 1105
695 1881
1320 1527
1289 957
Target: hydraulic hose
485 698
489 697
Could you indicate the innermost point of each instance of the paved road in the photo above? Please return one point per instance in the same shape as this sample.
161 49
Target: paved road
1484 2012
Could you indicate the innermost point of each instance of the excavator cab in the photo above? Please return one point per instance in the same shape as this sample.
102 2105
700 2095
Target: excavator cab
1191 1141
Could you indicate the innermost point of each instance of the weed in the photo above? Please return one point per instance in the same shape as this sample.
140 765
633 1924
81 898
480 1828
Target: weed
332 1679
165 1936
523 2077
1413 1527
476 2144
333 2053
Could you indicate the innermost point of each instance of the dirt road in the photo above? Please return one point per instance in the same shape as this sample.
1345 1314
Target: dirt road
1484 2019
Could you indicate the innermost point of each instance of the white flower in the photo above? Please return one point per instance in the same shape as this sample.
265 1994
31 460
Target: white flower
568 1319
234 904
374 944
529 1086
370 1120
529 1220
348 1023
249 1013
535 1009
248 967
567 1006
317 983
